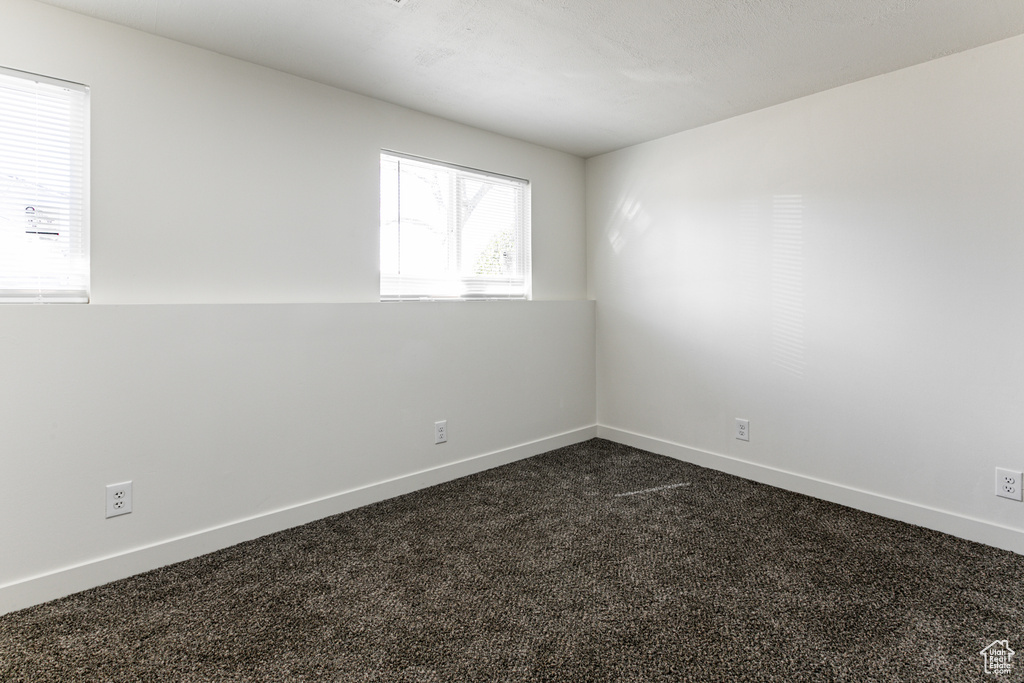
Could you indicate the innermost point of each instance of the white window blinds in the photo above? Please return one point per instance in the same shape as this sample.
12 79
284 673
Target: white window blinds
44 249
448 232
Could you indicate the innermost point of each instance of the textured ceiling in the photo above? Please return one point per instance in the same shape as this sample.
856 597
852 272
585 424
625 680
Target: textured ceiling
584 76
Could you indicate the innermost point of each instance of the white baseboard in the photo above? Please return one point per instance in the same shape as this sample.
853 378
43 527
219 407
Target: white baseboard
931 518
65 581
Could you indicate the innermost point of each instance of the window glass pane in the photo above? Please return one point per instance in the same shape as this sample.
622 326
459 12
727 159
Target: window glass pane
424 210
389 243
489 229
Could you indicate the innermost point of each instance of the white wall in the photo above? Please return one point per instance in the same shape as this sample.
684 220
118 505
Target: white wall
254 382
843 270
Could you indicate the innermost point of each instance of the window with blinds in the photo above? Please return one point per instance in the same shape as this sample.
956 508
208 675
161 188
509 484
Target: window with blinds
448 232
44 141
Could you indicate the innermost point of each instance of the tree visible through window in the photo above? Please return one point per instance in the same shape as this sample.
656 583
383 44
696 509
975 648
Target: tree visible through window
448 232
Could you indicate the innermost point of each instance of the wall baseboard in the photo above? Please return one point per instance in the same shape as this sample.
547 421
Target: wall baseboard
912 513
65 581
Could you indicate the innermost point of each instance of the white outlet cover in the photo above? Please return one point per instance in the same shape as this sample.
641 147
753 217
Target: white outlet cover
441 431
1008 484
742 429
119 499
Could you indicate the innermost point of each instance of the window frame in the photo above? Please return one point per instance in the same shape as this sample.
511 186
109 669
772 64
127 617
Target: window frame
455 287
69 278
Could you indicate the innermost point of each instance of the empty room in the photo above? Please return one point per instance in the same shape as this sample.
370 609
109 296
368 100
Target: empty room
535 340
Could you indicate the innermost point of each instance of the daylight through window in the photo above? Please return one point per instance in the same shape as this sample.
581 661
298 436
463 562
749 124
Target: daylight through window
44 251
448 232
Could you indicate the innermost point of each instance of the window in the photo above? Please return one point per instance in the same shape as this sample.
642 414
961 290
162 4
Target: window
448 232
44 249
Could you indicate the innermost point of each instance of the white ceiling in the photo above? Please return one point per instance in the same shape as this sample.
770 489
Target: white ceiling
583 76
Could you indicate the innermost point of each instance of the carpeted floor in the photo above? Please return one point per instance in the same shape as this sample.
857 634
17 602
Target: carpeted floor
596 562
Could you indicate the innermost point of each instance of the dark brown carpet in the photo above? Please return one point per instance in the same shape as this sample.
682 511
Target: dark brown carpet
544 571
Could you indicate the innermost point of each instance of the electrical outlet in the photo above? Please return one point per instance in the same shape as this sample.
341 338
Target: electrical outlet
119 499
1008 484
742 429
441 431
